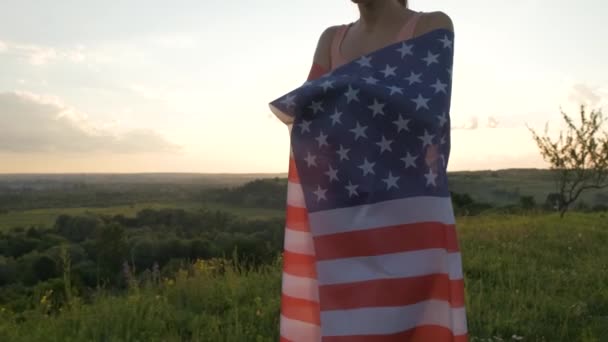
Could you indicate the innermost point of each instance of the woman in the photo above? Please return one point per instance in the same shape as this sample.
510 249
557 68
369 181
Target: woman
380 269
381 23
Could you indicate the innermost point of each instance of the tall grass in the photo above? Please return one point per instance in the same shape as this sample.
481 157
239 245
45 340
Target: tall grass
199 304
537 277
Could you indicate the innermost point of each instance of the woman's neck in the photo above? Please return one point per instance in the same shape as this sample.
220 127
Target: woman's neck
379 13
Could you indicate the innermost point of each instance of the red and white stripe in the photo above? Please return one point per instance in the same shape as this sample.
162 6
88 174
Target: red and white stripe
383 272
300 312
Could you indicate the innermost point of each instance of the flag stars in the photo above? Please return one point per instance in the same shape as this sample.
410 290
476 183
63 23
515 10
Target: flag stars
402 124
304 126
439 87
385 145
316 106
335 117
395 90
413 78
377 108
320 193
332 174
327 85
405 50
431 58
370 80
322 140
343 153
367 167
352 94
359 131
421 102
427 139
358 102
311 160
430 178
409 160
289 101
447 43
352 189
389 71
391 181
365 61
443 119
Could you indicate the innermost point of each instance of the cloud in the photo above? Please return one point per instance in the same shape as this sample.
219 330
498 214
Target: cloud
34 123
592 97
473 124
492 122
42 55
173 41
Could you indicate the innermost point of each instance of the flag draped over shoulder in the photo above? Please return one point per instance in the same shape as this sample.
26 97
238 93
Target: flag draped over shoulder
371 250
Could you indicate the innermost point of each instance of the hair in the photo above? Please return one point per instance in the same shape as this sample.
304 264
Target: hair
403 3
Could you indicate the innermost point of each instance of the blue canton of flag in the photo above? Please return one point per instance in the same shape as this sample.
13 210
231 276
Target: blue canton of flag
375 129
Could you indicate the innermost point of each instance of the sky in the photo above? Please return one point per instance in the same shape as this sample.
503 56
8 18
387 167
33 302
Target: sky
184 86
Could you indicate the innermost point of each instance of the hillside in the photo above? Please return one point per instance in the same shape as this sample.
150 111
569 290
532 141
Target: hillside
498 188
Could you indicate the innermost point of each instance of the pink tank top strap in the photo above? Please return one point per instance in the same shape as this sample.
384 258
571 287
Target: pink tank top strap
409 28
336 56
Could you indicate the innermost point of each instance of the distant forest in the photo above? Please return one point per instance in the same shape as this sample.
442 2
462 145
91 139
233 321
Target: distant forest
21 192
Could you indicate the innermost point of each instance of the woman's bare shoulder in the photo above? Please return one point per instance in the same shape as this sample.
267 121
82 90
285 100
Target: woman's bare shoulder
433 21
322 54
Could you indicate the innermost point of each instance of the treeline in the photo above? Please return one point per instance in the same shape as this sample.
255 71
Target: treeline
95 195
100 250
260 193
465 205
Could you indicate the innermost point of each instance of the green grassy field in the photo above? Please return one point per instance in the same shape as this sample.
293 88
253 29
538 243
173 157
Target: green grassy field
528 278
504 187
46 217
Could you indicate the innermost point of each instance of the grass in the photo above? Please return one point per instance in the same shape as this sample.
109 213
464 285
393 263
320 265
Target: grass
528 278
238 305
538 277
46 217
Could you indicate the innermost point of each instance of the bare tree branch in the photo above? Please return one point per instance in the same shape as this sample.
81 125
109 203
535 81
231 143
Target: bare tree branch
579 156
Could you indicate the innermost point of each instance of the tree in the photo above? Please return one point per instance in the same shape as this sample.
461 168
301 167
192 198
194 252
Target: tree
579 157
527 202
44 268
112 250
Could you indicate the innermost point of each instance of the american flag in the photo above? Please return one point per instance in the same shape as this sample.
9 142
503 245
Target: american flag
371 250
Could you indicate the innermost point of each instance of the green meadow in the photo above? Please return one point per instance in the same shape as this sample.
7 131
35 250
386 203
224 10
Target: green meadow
47 216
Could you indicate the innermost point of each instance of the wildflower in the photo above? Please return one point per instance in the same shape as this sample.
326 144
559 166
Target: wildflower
46 297
517 338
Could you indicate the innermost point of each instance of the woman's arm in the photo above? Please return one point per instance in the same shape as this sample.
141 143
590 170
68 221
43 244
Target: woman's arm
322 56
